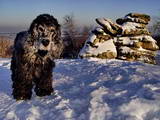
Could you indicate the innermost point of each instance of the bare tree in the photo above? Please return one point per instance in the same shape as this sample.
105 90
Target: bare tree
69 29
155 29
84 34
74 36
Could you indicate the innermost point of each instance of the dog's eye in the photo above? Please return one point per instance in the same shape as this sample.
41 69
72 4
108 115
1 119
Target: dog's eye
41 29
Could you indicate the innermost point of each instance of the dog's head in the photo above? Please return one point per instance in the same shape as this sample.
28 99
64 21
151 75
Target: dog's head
45 33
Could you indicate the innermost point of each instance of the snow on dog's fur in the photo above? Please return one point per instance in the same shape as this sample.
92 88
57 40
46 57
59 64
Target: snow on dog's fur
33 57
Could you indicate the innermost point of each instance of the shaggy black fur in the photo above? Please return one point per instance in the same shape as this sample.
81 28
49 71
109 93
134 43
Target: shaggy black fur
33 57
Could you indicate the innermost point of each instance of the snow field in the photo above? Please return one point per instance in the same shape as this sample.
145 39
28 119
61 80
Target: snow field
89 89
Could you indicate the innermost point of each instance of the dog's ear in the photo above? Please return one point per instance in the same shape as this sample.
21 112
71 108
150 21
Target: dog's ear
33 29
19 42
59 44
57 38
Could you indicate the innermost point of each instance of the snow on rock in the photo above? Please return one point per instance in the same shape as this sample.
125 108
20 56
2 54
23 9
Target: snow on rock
134 24
104 22
92 38
130 25
109 27
134 17
100 46
136 37
130 28
89 89
129 32
140 38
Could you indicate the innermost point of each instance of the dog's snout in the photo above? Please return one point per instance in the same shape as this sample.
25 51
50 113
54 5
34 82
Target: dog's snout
45 42
42 52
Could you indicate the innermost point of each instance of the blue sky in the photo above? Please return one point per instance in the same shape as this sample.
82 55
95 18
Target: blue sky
16 15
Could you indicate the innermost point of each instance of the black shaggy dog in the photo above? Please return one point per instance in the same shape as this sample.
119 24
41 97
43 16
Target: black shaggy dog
33 57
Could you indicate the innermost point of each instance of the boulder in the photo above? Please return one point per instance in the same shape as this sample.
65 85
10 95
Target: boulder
128 39
109 27
142 41
136 54
120 21
139 15
100 46
133 29
134 17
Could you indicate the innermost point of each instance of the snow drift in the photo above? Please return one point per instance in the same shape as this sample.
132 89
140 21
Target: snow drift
89 90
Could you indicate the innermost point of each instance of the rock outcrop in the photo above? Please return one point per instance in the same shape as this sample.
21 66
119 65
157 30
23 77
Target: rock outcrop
135 41
100 45
127 39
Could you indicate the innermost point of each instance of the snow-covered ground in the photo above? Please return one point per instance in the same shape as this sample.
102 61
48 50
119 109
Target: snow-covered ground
89 90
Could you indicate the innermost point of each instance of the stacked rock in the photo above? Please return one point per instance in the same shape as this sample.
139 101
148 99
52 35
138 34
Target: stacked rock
135 42
100 44
128 39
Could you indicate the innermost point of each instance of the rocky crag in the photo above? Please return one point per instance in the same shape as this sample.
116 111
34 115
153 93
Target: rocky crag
127 39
